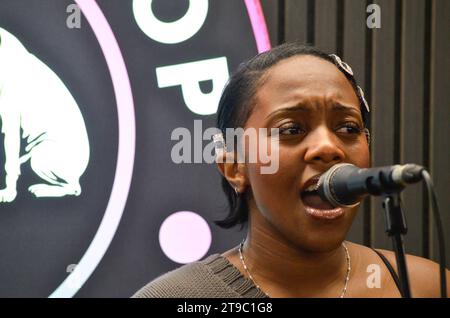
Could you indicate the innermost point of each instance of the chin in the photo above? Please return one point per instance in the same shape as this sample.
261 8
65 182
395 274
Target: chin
325 238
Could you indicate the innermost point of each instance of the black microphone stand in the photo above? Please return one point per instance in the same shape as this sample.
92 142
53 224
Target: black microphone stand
395 228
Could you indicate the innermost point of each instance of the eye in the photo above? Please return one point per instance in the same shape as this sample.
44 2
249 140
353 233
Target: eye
291 129
349 128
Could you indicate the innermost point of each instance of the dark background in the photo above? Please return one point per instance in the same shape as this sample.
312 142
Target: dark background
39 238
403 68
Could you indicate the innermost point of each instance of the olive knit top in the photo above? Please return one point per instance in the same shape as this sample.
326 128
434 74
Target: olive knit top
213 277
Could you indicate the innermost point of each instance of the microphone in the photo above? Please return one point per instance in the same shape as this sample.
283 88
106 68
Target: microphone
344 184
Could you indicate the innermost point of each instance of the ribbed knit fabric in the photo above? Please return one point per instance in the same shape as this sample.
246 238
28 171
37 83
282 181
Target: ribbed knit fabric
213 277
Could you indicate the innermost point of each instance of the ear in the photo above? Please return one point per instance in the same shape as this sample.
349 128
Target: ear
233 171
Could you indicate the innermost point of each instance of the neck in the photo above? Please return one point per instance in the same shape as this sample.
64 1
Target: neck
279 266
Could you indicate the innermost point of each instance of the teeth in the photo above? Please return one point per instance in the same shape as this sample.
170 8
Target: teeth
312 187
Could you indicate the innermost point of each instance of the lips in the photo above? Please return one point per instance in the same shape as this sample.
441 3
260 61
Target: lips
314 205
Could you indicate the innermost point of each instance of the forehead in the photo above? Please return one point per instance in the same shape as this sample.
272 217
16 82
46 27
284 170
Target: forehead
306 79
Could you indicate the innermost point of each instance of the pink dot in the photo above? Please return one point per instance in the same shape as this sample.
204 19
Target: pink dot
184 237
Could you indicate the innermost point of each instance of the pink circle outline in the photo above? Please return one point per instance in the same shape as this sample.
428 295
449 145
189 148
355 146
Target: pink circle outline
125 153
258 23
127 136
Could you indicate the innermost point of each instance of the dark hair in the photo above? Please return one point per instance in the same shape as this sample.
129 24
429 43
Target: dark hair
236 105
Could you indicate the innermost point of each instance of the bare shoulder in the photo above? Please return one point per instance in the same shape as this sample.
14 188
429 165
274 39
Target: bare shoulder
423 274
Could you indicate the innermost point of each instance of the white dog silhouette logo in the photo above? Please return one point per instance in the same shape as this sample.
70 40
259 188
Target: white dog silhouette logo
35 106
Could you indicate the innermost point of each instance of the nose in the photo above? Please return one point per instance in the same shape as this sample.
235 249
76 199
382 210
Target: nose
323 148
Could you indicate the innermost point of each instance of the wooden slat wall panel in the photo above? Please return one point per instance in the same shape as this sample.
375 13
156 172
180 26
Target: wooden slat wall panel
404 68
354 53
440 114
383 107
411 114
296 20
325 32
354 38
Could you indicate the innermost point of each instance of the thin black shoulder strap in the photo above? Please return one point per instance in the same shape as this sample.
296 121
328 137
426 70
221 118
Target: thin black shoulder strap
391 270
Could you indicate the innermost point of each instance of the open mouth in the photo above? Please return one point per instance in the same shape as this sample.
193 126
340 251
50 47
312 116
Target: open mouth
315 206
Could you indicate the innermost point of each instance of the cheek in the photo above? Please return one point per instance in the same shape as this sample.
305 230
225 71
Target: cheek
359 155
269 166
269 183
284 183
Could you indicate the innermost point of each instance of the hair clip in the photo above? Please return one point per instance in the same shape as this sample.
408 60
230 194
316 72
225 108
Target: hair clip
342 64
219 143
361 94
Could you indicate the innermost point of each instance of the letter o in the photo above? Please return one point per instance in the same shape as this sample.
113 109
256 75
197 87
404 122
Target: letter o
170 32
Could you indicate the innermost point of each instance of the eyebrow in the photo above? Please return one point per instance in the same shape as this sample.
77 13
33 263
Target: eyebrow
345 109
299 108
304 108
339 108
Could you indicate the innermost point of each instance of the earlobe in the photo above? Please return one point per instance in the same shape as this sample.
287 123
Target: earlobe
242 174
